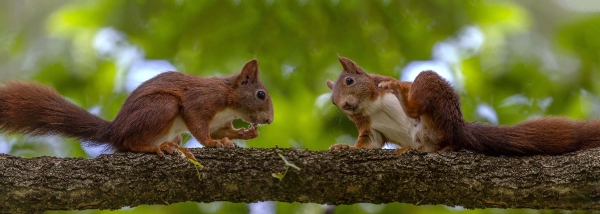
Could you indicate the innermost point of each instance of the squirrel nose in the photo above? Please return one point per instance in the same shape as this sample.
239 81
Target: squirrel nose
348 106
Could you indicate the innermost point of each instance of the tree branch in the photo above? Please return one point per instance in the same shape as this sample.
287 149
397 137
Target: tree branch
327 177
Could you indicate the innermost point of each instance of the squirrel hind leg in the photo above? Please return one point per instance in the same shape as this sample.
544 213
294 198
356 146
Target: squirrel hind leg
176 144
169 146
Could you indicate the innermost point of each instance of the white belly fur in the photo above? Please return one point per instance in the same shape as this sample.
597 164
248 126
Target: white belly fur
220 120
388 118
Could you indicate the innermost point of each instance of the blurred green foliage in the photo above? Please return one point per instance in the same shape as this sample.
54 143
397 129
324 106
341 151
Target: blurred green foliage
537 58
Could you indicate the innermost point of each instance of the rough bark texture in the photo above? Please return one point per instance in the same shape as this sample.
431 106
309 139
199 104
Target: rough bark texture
569 181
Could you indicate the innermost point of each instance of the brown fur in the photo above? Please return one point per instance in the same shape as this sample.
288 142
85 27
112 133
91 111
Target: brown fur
352 99
434 102
38 110
147 114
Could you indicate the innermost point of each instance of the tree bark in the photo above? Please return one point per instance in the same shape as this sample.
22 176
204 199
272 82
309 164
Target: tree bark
569 181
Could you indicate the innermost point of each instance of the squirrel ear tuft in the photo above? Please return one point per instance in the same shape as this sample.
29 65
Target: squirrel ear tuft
350 66
330 84
249 72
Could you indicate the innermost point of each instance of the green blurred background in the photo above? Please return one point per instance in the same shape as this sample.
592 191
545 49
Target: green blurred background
509 60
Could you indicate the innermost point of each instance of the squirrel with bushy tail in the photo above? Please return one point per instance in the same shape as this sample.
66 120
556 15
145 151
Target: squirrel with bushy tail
152 118
426 115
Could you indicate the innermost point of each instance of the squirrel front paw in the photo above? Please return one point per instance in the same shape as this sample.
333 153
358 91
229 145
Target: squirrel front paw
340 146
400 89
393 86
247 134
387 85
225 142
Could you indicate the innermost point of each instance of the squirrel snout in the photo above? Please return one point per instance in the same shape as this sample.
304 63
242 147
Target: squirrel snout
267 121
349 106
263 118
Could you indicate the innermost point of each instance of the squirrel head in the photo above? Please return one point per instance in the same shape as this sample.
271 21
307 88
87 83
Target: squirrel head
253 96
352 87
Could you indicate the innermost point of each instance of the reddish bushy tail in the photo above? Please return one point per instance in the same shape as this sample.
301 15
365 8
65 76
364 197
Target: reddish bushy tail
34 109
544 136
434 101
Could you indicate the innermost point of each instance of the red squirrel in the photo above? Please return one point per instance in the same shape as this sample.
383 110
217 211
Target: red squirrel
376 112
432 101
152 118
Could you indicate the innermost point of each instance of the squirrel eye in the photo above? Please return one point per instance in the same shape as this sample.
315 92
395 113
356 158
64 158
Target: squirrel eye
349 80
261 95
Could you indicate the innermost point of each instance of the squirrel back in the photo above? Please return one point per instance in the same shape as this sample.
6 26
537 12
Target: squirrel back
432 99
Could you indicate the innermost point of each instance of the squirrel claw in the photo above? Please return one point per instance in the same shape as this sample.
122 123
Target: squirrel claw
168 146
188 154
394 87
225 142
159 152
339 147
221 143
385 85
171 147
389 85
253 126
247 134
400 150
